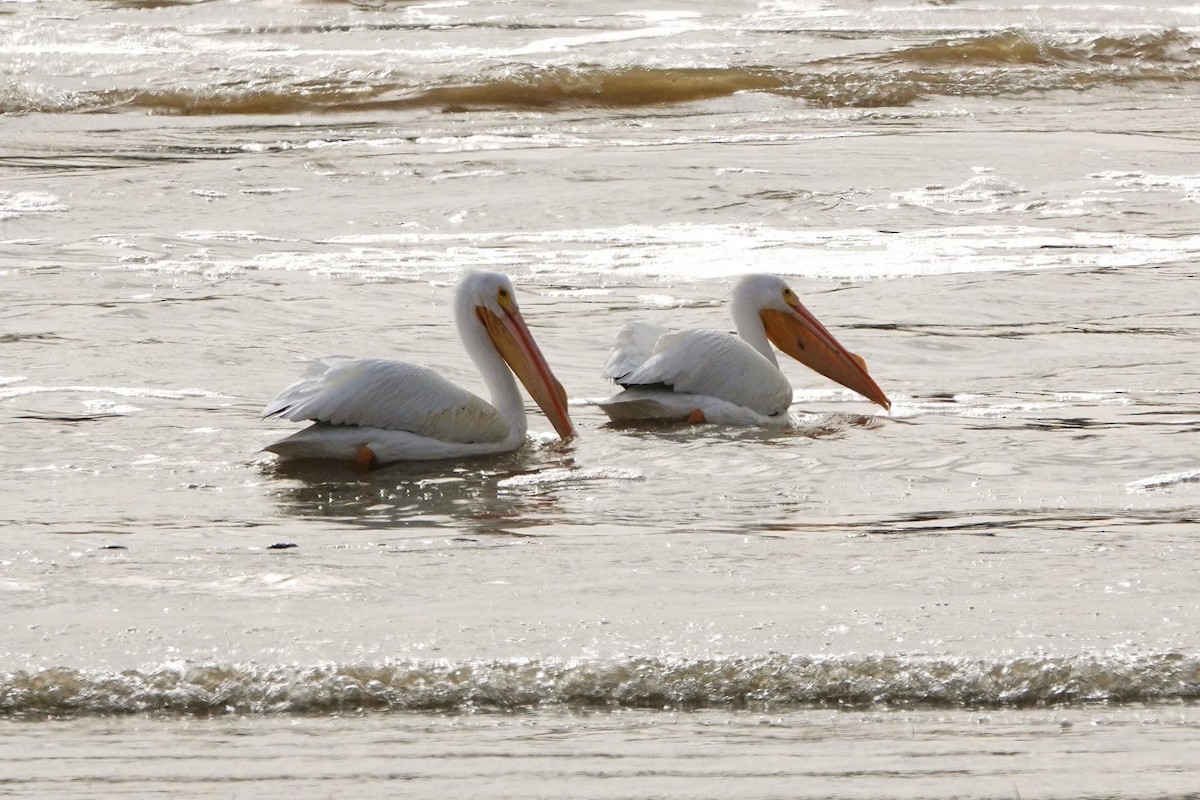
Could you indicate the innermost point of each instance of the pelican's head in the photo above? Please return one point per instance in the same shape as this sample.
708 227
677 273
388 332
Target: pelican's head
492 300
793 329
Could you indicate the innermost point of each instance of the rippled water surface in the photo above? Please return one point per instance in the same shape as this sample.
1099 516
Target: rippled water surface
989 591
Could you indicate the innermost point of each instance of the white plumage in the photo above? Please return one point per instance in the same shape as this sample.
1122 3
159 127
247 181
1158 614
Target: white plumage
393 395
715 376
704 370
376 410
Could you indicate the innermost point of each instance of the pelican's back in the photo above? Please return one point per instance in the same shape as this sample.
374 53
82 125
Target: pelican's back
712 363
392 395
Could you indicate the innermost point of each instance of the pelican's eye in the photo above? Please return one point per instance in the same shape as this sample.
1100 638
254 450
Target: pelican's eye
790 298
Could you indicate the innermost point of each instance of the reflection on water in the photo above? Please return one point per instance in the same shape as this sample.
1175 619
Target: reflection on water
799 425
587 481
469 494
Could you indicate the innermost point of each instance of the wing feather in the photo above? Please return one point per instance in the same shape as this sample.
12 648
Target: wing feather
635 344
716 364
393 395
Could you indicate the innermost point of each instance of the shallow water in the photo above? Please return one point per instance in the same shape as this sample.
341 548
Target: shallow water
659 754
989 591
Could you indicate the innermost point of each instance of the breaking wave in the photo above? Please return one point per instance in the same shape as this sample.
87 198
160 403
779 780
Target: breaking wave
1008 62
774 682
524 89
998 63
1025 48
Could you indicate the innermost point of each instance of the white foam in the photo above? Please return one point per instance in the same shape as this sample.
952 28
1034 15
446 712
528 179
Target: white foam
966 406
825 396
575 292
475 173
552 477
17 204
702 252
278 583
981 194
109 407
1143 181
482 142
226 236
119 391
670 27
1101 398
1164 481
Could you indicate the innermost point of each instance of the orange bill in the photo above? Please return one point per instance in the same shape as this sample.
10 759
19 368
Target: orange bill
516 346
799 334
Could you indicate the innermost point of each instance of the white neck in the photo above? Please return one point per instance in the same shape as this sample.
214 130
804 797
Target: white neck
750 326
502 387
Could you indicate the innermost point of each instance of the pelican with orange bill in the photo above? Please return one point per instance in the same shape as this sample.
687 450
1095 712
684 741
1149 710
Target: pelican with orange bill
374 411
714 376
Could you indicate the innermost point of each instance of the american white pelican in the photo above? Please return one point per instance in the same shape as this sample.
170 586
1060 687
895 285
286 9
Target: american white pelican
375 411
714 376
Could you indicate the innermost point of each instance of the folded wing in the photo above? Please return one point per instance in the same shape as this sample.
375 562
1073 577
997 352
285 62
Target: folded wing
705 362
392 395
634 346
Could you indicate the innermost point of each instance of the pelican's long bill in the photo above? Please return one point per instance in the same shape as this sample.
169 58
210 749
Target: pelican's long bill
799 334
516 346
